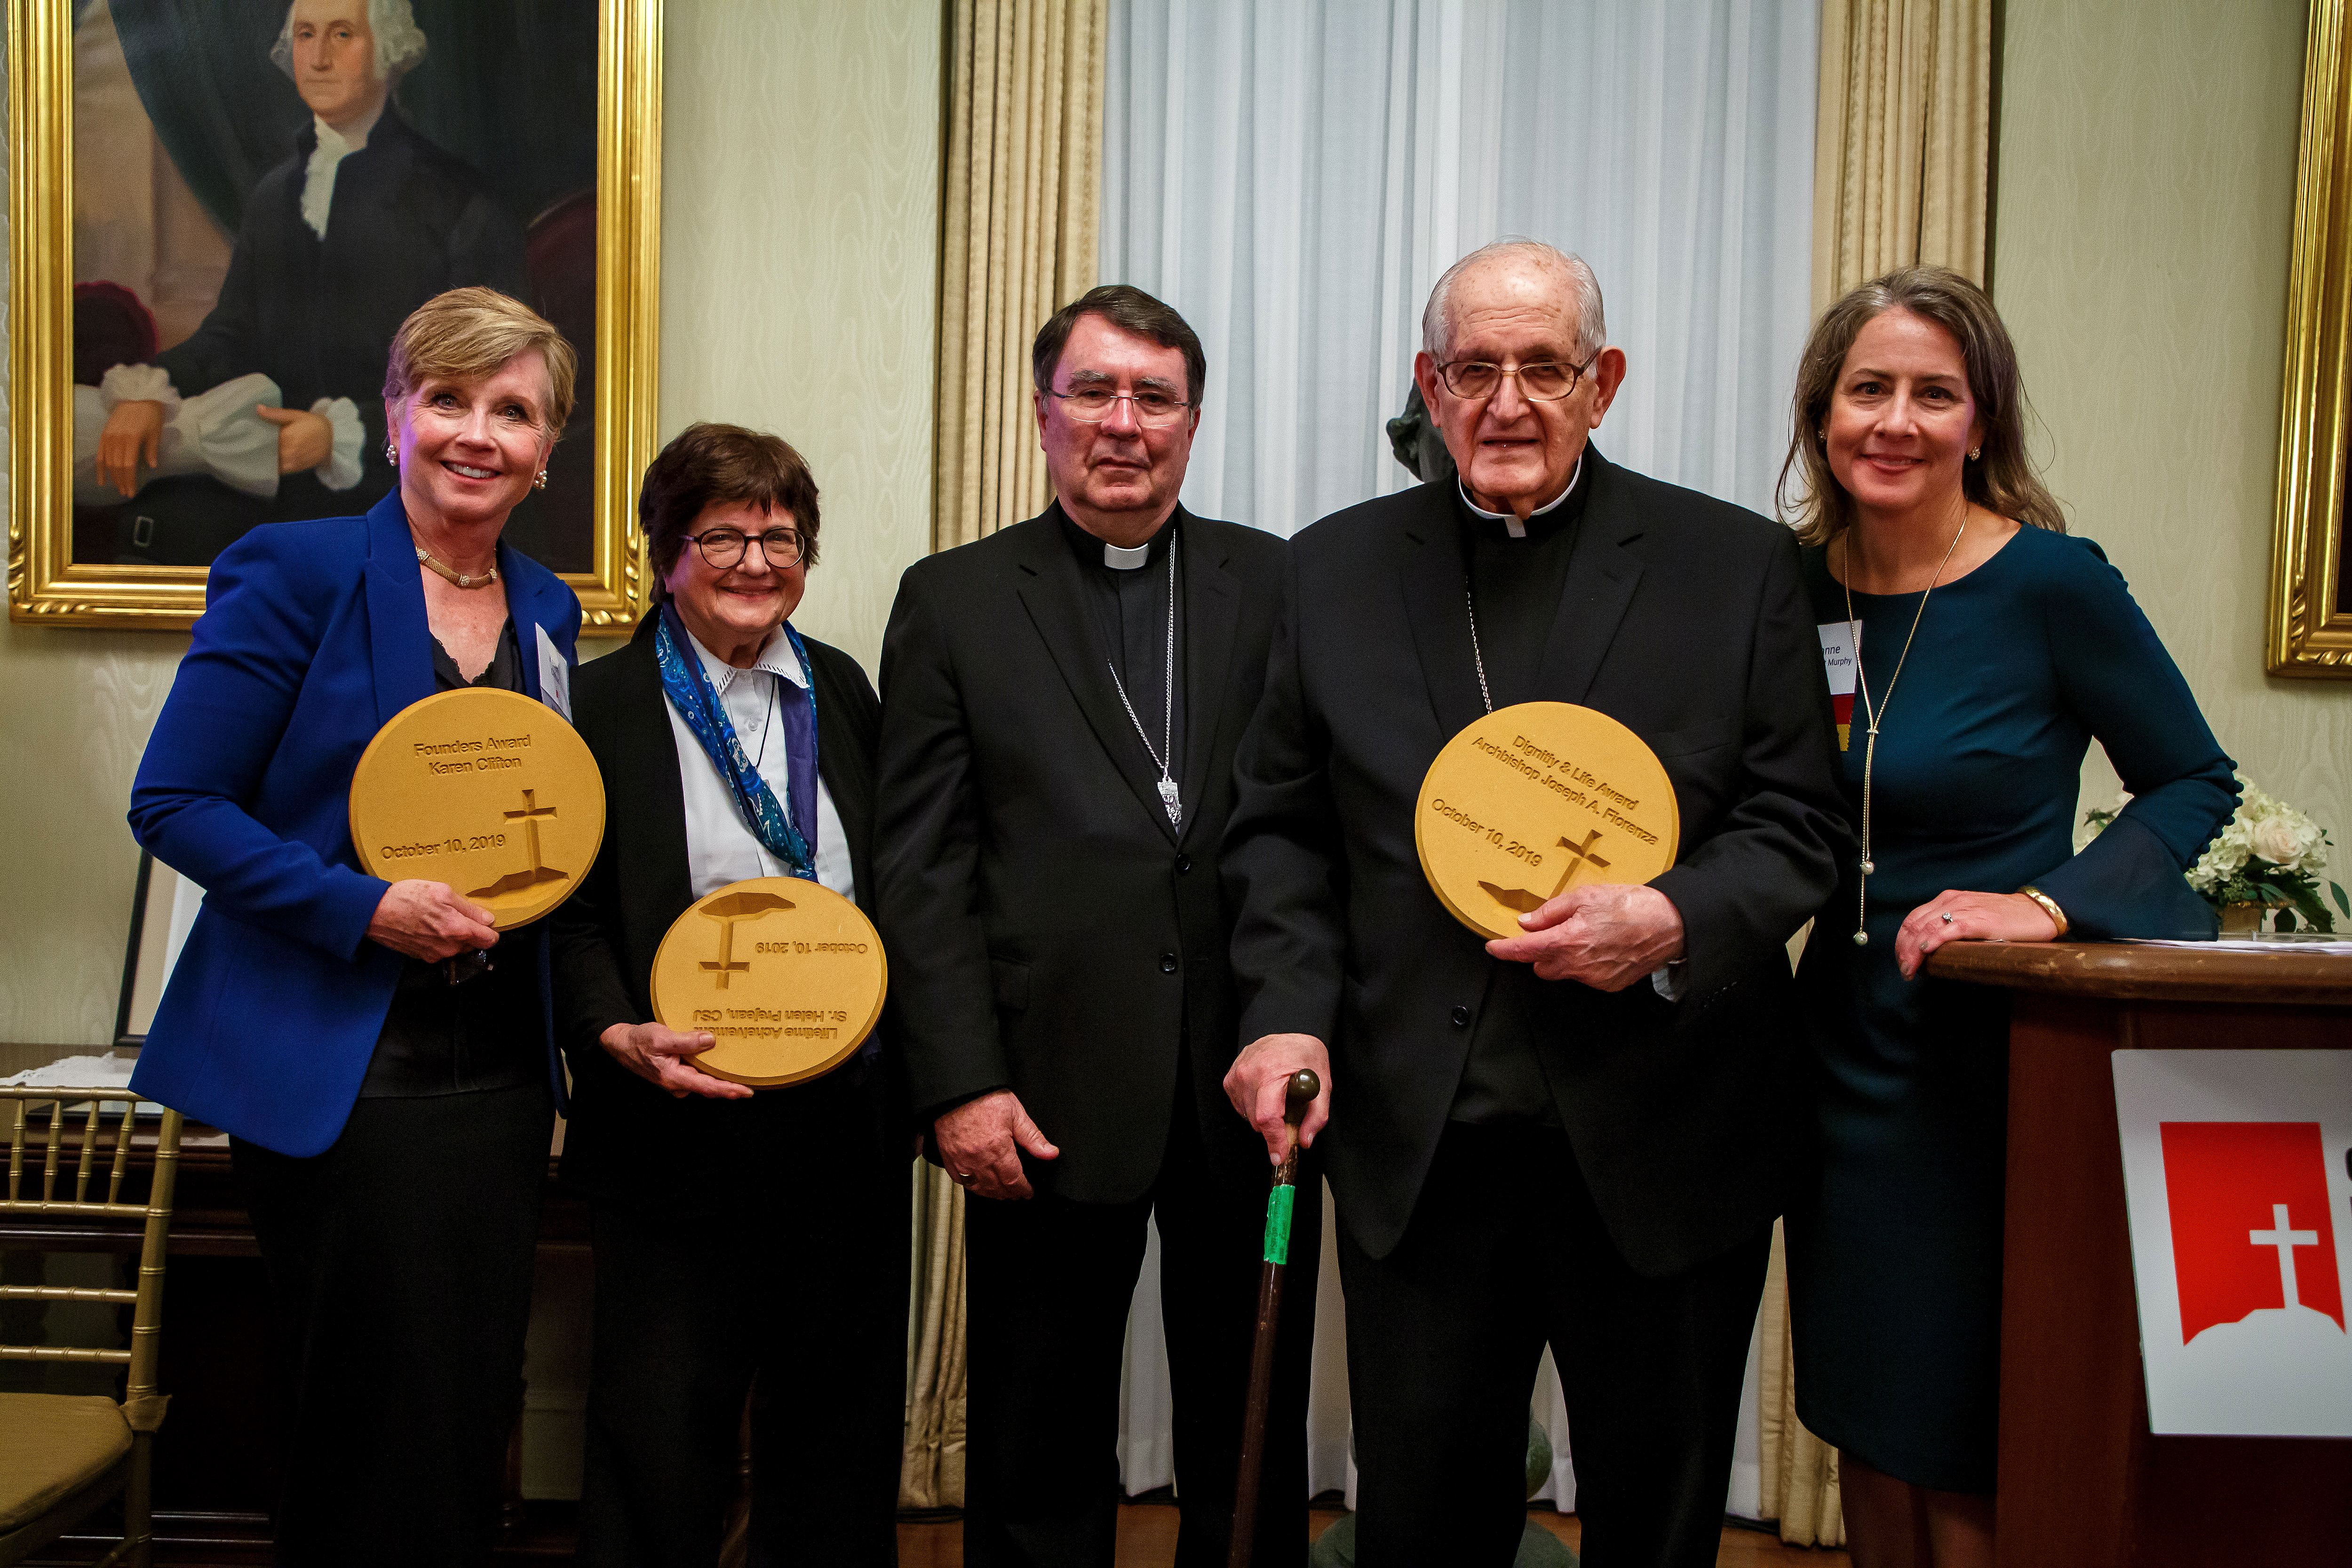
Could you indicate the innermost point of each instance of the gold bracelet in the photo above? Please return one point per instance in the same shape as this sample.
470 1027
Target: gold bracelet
2049 907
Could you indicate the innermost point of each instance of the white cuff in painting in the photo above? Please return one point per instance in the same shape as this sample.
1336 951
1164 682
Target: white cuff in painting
340 471
138 384
1672 979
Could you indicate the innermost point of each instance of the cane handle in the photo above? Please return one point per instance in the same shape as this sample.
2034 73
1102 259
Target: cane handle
1298 1094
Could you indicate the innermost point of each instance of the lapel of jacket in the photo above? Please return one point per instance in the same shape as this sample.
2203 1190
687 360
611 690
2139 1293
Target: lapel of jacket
1602 576
841 764
540 606
399 636
1437 608
645 798
1212 612
1054 594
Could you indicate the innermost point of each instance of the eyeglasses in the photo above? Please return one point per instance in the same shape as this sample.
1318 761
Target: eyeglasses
1543 380
724 547
1092 406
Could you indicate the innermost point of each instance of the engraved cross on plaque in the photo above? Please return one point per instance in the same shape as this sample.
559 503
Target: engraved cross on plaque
1583 856
530 815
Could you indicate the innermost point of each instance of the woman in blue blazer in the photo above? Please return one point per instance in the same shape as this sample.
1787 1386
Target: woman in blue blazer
388 1101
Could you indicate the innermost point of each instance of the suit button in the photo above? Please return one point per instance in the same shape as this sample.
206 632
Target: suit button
1462 1017
1183 863
1167 964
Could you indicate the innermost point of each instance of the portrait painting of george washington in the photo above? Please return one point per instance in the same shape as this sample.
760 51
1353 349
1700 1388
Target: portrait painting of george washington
262 190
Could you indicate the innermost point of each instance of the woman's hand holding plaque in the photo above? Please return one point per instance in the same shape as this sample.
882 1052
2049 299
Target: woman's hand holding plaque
787 974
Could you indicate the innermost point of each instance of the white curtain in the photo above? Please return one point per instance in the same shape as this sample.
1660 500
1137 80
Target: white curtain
1294 174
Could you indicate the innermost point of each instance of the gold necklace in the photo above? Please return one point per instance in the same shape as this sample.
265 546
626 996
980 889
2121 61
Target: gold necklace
1874 714
462 579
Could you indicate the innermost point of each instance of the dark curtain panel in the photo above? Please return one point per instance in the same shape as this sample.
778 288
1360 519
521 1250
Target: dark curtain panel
510 87
221 110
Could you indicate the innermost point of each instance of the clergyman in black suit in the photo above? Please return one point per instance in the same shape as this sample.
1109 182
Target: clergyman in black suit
1573 1136
1061 701
737 1234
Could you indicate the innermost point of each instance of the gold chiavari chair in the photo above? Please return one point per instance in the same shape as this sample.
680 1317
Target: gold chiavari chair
62 1456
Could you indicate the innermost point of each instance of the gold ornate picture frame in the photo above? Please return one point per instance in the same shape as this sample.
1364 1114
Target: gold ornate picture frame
48 586
2310 622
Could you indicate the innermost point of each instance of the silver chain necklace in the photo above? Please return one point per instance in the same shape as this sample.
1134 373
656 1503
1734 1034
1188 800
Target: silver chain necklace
1471 601
1874 715
1167 751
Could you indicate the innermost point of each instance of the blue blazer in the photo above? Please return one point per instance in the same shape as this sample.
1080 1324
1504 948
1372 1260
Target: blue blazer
313 635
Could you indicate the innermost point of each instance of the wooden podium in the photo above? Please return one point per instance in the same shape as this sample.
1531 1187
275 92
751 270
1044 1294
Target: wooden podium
2084 1484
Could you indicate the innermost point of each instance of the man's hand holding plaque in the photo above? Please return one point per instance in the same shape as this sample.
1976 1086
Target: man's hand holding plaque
1537 826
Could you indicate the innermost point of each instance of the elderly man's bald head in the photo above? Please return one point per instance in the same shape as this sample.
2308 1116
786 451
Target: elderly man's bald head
1516 371
1544 265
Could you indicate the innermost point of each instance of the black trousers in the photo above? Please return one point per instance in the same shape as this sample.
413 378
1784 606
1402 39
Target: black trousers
1050 1282
787 1264
1506 1253
401 1262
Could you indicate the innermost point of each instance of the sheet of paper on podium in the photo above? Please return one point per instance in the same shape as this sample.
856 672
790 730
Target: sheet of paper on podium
2238 1182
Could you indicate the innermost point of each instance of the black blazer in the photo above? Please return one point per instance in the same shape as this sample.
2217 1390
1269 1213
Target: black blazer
1685 619
625 1130
1054 931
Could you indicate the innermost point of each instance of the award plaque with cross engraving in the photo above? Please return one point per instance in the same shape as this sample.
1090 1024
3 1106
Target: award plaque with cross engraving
1537 798
487 791
787 974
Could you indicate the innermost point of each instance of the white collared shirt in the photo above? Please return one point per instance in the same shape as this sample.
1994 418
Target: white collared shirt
719 848
1519 529
319 175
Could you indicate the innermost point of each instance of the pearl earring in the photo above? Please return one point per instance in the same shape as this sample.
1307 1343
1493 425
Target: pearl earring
1974 452
391 452
540 483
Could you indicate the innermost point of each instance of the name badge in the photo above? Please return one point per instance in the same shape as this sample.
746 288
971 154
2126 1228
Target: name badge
1840 654
554 676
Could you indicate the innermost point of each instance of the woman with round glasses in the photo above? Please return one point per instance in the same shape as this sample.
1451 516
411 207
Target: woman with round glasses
737 1236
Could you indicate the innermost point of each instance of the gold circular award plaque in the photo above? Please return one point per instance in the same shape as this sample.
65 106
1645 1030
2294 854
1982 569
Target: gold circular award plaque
1534 799
487 791
787 974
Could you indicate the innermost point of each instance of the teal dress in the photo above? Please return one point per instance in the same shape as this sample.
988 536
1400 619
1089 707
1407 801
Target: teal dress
1894 1237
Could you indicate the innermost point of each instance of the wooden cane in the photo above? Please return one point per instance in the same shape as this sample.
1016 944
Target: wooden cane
1298 1095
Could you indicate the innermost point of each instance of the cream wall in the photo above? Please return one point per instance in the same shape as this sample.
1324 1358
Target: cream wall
2146 202
806 309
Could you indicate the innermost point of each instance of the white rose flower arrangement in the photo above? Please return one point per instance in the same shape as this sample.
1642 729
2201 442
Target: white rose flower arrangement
2268 854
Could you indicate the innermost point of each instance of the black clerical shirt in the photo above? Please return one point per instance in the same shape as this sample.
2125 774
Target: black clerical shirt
1129 609
1516 586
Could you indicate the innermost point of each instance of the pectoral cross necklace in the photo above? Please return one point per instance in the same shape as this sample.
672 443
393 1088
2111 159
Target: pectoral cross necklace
1166 753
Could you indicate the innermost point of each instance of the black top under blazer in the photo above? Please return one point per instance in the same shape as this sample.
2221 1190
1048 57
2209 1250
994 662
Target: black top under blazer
623 1131
1050 932
1685 619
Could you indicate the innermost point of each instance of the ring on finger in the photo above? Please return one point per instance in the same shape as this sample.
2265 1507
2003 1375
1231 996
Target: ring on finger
1947 917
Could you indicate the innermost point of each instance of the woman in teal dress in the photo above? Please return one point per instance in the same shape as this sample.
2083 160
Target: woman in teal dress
1994 648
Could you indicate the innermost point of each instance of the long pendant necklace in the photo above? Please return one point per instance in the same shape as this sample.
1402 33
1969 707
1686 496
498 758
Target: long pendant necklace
1166 753
1873 715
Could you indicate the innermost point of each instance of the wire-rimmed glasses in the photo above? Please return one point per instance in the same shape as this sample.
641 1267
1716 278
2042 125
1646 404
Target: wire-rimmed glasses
1540 380
1092 405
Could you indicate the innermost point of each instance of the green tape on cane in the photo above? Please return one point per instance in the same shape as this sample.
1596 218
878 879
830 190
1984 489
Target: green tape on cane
1277 1225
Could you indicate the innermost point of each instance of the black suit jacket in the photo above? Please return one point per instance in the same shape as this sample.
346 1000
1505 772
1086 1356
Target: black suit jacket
1685 619
625 1133
1054 931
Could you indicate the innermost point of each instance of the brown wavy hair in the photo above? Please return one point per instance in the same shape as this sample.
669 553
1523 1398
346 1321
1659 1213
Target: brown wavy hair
2002 479
708 463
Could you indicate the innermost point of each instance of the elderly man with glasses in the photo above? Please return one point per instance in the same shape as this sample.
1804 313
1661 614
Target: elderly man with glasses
1061 701
1572 1137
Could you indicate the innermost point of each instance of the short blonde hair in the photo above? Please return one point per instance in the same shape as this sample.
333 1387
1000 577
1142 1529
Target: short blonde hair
468 333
